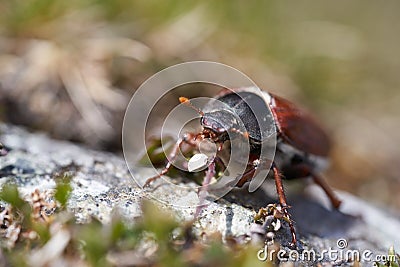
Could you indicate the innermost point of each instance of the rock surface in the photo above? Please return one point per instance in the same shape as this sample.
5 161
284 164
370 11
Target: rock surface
102 185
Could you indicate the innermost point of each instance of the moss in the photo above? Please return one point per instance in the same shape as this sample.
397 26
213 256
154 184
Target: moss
167 242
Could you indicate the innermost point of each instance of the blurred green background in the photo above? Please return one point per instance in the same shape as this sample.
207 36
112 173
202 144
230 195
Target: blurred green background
70 67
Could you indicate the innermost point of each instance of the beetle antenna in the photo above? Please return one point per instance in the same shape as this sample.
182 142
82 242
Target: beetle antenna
188 103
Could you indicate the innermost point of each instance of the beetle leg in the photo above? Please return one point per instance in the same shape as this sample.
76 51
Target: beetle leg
210 173
282 201
303 170
252 166
328 190
172 156
247 176
219 161
188 138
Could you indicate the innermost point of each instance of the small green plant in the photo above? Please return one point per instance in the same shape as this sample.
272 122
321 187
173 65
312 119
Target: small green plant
154 239
393 259
63 190
9 193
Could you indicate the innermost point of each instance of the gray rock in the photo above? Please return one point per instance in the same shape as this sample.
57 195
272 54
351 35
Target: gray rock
102 185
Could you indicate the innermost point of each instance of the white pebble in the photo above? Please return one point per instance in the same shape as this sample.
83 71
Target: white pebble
197 161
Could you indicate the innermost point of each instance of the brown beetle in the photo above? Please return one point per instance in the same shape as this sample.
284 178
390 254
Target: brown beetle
302 145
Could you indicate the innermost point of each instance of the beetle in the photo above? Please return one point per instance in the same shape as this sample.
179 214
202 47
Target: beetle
302 145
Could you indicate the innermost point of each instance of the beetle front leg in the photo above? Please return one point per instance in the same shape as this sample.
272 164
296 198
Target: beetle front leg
283 202
172 157
188 138
210 173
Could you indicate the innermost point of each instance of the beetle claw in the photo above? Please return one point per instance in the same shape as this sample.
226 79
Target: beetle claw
152 179
148 182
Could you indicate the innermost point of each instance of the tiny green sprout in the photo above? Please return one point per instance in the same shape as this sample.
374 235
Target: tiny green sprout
118 230
158 221
155 152
9 193
122 235
392 259
17 258
43 231
63 191
246 257
216 254
95 245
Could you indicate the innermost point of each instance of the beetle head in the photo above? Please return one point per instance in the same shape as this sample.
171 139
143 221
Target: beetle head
219 123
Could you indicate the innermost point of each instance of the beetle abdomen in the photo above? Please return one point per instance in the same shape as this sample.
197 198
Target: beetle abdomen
298 128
